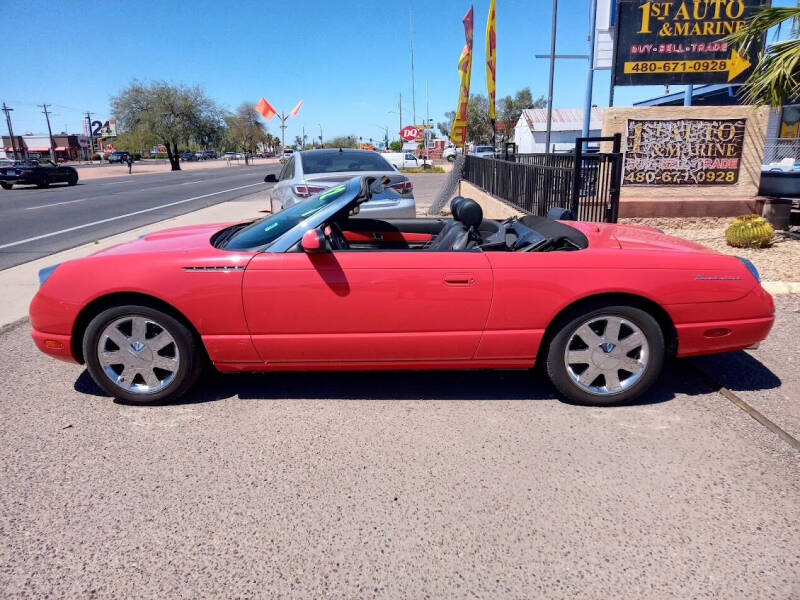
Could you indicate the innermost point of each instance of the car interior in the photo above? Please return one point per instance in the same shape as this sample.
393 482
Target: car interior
466 231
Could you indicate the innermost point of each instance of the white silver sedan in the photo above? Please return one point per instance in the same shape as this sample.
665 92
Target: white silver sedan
311 172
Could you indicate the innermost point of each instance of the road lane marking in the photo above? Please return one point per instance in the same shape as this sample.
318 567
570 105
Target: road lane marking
59 203
126 215
118 182
188 182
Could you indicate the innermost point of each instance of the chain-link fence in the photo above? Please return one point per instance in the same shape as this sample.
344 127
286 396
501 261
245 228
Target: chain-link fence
778 149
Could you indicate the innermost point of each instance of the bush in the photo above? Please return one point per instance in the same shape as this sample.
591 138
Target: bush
749 231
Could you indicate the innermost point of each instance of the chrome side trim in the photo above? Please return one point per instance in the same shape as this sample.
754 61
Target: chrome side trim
224 269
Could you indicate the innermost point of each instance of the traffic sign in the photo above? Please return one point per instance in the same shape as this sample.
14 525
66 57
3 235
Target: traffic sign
410 133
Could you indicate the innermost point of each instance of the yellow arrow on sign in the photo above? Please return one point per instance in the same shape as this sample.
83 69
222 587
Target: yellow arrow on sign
734 65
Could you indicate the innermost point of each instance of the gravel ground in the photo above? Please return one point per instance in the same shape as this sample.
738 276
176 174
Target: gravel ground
395 485
779 262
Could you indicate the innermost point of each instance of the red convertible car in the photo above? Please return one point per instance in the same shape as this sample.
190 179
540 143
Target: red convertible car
314 287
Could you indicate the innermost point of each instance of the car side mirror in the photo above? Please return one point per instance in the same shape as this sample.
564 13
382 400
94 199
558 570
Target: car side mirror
314 242
271 178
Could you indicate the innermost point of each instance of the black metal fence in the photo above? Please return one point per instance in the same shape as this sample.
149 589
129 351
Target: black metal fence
588 184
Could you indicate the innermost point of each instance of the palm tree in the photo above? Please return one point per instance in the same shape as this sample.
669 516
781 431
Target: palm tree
776 77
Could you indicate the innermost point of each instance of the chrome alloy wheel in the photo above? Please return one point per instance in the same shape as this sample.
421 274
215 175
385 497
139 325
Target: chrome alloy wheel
138 354
606 355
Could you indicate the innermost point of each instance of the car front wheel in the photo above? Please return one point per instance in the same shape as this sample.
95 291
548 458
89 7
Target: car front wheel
606 356
141 355
73 179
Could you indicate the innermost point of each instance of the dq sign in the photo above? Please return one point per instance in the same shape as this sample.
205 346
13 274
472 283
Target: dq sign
410 133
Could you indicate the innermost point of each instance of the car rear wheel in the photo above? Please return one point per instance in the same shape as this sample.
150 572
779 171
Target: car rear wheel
609 355
141 355
5 185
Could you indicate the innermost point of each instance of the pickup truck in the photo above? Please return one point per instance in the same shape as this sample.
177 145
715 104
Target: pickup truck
40 173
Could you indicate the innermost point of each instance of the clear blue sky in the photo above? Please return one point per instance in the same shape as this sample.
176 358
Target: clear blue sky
347 59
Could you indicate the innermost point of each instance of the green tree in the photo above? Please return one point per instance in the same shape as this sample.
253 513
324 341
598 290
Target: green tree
776 76
396 146
444 127
509 109
342 141
246 130
167 113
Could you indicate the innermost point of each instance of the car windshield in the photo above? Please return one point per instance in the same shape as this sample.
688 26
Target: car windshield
268 230
336 161
484 149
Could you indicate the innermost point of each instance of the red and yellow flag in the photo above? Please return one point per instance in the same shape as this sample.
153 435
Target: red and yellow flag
296 109
491 58
265 109
458 133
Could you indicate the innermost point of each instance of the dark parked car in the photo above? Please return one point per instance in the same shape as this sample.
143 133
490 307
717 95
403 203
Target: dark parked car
207 155
119 157
189 156
40 173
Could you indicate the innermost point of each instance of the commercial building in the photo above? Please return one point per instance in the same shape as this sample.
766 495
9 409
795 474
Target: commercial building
67 147
530 133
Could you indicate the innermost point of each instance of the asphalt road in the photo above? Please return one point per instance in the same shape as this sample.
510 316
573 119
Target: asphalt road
400 485
38 222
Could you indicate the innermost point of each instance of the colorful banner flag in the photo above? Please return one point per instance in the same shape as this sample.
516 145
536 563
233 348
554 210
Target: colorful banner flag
265 109
458 133
491 59
296 109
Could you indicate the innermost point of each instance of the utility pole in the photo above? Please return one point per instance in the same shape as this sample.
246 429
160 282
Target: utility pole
587 105
400 108
7 110
303 144
553 56
552 74
320 134
49 131
413 92
283 117
89 133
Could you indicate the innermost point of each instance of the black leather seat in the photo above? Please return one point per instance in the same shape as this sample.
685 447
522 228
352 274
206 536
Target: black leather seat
462 232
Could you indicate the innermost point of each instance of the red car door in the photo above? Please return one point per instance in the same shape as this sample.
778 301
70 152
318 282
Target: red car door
367 307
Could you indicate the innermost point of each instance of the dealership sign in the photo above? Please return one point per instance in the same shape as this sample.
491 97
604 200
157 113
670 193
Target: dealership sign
683 151
682 42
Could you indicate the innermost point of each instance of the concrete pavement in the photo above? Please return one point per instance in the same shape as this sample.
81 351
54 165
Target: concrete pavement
391 485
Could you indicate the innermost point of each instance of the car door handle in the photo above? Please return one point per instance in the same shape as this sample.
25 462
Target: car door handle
459 279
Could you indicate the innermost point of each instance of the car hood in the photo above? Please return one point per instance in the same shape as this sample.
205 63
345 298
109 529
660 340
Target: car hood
178 239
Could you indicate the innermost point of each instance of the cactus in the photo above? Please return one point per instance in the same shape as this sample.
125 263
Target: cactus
749 231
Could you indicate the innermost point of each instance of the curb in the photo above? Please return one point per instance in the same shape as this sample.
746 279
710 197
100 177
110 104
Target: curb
781 287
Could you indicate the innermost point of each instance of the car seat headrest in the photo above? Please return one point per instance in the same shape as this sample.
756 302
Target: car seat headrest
454 205
470 212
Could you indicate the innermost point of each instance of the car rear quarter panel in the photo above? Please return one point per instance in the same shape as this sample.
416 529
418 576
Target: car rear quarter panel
531 289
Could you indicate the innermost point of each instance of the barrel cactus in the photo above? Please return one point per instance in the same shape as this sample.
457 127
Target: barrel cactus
749 231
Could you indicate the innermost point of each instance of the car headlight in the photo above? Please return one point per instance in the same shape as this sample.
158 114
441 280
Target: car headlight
750 267
44 274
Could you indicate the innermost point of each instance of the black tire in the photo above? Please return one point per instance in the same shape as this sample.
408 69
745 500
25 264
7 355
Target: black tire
451 158
190 365
42 182
556 362
73 179
5 185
